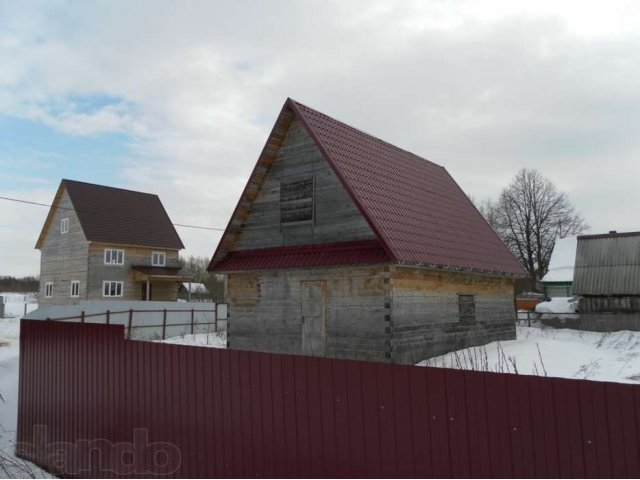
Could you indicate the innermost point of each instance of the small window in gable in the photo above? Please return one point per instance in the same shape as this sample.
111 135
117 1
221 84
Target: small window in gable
466 309
296 202
64 226
75 289
158 259
48 289
113 256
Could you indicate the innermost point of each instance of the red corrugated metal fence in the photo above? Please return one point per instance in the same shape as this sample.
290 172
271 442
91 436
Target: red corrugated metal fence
94 404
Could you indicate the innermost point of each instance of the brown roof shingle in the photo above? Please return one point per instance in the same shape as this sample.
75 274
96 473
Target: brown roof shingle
118 216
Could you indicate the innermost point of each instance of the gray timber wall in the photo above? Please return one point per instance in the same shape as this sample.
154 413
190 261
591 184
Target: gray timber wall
337 219
63 257
132 290
424 312
265 311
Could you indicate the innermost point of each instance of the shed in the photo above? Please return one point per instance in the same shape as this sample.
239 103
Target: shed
607 273
194 291
558 282
344 245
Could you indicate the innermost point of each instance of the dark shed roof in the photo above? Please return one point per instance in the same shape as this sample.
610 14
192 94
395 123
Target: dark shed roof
117 216
419 213
608 264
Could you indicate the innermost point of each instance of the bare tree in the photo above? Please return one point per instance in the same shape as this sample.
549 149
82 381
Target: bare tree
529 216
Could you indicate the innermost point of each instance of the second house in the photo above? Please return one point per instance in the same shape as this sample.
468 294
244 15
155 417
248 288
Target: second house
104 243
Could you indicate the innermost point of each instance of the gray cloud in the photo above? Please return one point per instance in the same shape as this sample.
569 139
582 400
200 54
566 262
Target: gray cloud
482 93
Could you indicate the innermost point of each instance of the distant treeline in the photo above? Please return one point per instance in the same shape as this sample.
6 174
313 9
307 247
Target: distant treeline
13 284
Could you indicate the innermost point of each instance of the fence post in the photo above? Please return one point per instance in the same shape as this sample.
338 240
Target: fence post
215 319
25 310
164 324
192 321
130 324
82 316
108 317
528 318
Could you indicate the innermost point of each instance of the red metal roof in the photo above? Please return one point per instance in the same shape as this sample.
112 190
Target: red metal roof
419 213
322 255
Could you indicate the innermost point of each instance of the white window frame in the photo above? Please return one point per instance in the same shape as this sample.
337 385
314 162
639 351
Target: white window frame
109 252
112 283
162 255
64 226
75 283
48 289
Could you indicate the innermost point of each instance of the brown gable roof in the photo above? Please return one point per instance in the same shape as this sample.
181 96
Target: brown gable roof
417 210
117 216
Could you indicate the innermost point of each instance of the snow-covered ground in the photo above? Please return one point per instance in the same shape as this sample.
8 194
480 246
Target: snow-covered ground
17 304
214 340
613 357
10 466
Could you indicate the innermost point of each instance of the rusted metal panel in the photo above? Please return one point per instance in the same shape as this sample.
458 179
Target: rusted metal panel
92 404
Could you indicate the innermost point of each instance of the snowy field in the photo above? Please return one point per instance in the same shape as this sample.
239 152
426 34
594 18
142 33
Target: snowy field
10 466
17 304
214 340
611 357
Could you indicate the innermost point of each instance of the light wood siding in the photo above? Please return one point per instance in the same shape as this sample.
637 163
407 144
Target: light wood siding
424 312
63 257
265 311
337 219
132 290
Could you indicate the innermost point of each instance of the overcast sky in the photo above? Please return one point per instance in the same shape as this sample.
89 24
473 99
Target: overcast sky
177 98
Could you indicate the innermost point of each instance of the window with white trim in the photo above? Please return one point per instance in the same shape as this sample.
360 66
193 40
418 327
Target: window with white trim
74 290
113 256
64 226
48 289
111 289
158 259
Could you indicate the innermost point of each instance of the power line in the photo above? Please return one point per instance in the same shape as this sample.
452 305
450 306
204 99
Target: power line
28 202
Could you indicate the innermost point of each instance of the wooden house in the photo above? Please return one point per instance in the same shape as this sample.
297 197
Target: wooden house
104 243
343 245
